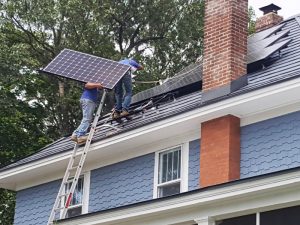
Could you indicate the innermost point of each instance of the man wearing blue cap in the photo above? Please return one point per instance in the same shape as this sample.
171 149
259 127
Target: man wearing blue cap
123 101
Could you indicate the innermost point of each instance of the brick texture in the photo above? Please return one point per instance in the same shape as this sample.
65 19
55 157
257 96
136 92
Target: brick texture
225 42
266 21
220 151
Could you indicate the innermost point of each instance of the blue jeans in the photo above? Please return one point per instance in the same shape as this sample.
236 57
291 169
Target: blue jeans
123 101
88 108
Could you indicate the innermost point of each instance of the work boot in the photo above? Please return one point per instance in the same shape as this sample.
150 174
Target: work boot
116 115
82 139
124 113
74 137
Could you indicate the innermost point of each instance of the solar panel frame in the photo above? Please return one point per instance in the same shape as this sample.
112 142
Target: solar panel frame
86 68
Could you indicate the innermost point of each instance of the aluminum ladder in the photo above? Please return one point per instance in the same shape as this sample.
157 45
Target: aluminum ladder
60 205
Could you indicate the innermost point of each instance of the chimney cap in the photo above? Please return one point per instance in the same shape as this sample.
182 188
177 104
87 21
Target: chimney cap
270 8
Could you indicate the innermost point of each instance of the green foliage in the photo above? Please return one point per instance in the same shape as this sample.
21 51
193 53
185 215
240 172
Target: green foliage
251 20
7 206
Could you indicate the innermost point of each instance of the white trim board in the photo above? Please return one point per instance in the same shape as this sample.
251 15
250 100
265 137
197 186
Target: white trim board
261 101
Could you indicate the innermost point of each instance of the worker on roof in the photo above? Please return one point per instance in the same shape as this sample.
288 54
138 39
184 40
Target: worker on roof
123 101
88 103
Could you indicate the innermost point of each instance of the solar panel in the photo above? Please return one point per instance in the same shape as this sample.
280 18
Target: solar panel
86 68
254 46
264 34
187 76
261 54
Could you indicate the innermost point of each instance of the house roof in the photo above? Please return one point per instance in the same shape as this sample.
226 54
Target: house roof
279 67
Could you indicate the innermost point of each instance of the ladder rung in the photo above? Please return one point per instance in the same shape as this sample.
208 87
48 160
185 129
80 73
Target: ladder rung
74 168
78 155
63 195
60 208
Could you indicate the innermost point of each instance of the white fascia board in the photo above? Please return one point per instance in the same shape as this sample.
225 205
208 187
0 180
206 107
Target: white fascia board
219 202
247 105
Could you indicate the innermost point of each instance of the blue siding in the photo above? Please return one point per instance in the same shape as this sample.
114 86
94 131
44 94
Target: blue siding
33 205
124 183
271 145
194 164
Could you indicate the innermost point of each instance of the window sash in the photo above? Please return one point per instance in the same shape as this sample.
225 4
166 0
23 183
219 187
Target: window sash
169 165
169 182
78 189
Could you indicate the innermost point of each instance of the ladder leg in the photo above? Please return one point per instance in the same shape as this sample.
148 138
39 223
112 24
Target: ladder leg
78 170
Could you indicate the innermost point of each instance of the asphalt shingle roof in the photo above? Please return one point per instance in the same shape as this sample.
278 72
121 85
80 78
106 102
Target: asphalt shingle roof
282 67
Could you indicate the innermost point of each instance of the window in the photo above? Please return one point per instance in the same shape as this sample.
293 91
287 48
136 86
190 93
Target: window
242 220
79 202
171 171
284 216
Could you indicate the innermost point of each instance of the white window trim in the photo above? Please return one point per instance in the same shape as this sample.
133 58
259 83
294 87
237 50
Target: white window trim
184 169
86 192
85 196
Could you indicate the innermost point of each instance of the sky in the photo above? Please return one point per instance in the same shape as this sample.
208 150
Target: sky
288 7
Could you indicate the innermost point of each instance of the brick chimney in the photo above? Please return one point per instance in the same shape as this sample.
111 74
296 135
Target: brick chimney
224 70
225 47
269 19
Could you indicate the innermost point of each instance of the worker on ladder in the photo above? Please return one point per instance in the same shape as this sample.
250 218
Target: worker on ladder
88 102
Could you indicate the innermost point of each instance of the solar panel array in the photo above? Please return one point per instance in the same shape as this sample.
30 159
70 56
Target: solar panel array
187 76
260 55
86 68
265 33
261 45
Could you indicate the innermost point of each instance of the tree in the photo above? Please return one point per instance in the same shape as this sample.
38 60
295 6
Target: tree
251 20
164 35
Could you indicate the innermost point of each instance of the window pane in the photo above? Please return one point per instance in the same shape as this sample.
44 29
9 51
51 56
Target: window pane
78 192
169 165
242 220
175 165
74 212
170 189
286 216
163 168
